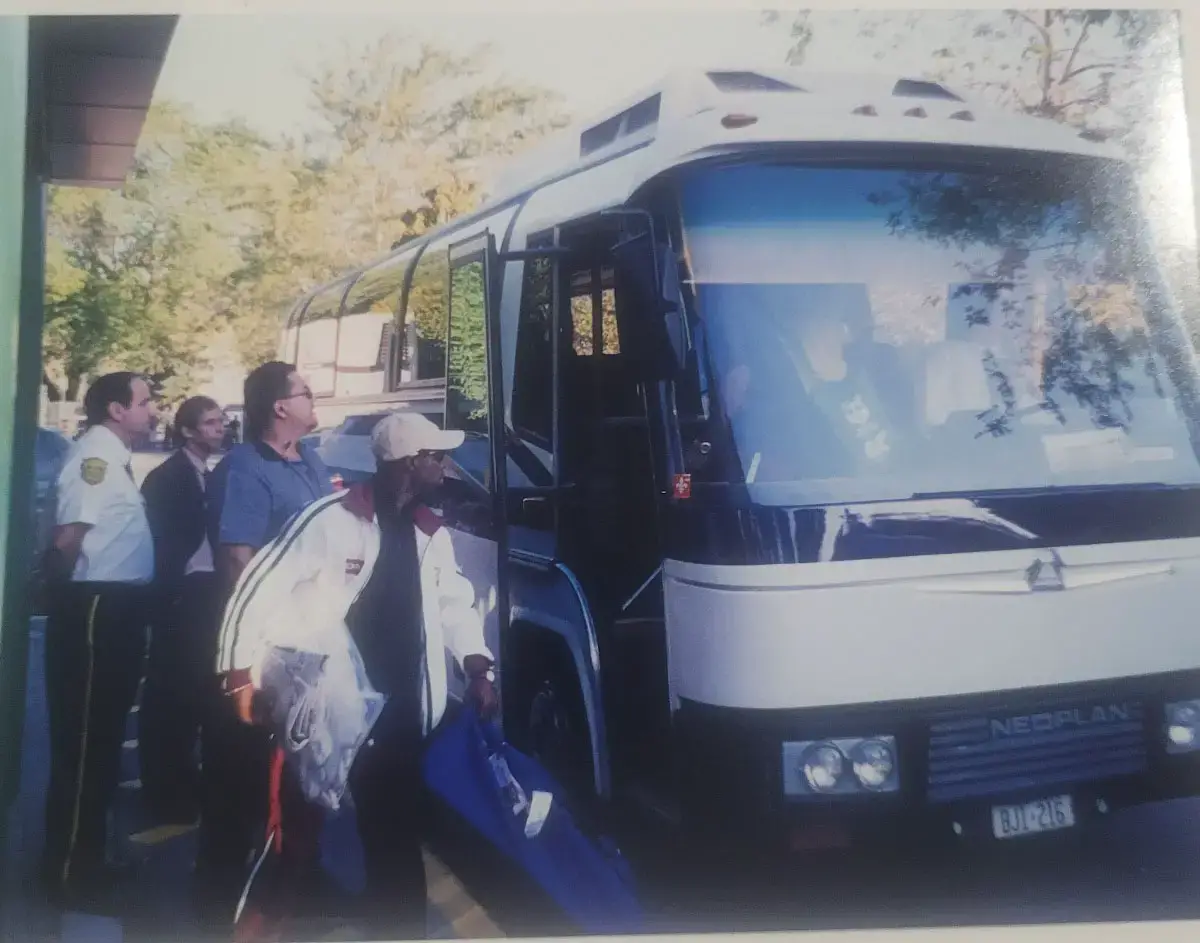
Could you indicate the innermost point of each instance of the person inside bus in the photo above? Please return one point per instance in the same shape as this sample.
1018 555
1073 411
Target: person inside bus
803 402
844 388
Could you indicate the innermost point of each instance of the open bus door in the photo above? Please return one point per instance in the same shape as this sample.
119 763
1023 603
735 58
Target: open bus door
475 497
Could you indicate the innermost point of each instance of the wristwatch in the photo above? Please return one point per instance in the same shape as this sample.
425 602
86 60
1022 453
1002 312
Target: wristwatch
489 676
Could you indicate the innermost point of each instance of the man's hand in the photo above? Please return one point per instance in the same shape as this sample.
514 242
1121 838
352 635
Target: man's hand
243 702
249 703
481 692
65 547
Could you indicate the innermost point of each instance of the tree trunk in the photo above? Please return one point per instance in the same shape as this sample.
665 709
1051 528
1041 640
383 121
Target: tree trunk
53 392
73 383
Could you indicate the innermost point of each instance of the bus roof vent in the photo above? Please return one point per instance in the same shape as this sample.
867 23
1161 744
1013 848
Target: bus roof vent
633 120
917 112
913 88
962 116
868 110
1096 137
750 82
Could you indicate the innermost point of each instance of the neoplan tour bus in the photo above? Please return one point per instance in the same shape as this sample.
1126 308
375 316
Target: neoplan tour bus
831 461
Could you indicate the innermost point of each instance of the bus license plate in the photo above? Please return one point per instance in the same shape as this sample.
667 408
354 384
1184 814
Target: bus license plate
1032 818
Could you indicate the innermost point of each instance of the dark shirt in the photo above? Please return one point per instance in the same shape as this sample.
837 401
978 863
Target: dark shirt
385 621
255 491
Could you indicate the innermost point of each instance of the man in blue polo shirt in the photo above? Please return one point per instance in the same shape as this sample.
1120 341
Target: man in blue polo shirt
254 492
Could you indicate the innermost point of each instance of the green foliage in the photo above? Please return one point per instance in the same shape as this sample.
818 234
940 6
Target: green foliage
427 296
468 394
1096 69
218 229
1115 73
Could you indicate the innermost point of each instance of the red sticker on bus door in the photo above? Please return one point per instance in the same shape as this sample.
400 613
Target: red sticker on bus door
683 486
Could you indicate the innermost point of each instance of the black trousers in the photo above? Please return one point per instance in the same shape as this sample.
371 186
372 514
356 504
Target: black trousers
183 641
392 807
234 805
95 651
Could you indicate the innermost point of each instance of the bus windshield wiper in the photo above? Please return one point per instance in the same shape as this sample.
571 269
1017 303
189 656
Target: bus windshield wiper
941 510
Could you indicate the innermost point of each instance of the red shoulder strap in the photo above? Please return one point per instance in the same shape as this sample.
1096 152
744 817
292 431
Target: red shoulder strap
426 520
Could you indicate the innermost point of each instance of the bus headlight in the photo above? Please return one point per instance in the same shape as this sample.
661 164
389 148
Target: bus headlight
873 762
823 767
1183 727
843 766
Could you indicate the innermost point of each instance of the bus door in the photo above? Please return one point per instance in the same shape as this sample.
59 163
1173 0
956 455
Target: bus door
608 521
473 499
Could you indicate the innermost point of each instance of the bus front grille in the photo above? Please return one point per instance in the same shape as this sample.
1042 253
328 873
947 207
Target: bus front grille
976 755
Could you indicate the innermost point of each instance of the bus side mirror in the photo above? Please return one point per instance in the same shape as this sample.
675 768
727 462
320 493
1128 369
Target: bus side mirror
649 307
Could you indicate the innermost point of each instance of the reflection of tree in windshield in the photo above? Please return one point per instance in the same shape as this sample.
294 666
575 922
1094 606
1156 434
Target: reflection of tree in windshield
468 390
1034 266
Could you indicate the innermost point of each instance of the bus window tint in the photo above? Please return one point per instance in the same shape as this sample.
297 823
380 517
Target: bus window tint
423 349
876 334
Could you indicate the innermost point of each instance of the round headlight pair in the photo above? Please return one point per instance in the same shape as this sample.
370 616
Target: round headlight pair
1183 724
871 761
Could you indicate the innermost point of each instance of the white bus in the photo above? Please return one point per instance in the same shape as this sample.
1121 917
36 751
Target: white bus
837 440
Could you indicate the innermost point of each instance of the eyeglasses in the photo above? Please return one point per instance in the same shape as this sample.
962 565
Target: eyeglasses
436 456
307 394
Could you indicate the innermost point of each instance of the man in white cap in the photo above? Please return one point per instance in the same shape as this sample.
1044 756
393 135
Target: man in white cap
375 559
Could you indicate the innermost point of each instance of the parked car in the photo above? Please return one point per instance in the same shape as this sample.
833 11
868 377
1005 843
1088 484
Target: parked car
346 448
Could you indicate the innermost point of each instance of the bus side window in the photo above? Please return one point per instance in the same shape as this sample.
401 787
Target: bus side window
533 374
365 329
423 345
317 342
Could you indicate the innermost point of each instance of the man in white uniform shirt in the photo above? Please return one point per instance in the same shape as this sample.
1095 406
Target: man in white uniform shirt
184 615
100 565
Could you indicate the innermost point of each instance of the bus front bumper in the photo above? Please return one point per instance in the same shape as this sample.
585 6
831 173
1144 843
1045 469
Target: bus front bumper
1007 767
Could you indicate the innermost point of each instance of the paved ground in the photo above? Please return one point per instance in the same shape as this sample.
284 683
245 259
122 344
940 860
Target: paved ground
1143 865
165 855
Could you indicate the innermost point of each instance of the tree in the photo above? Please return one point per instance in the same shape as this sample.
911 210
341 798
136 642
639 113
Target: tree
1096 69
220 230
406 136
1044 260
139 278
1113 73
83 310
407 133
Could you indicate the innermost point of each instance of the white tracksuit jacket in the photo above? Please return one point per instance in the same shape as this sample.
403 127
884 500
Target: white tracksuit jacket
299 588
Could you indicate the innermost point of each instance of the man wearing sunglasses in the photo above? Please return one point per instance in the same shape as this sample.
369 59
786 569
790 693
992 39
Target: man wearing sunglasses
375 560
255 490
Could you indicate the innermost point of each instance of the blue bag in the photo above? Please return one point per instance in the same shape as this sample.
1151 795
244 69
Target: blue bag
464 766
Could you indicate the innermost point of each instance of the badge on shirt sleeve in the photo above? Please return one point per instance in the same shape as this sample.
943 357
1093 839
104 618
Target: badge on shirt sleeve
354 567
94 470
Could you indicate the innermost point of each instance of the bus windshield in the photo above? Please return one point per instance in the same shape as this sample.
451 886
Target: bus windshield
879 334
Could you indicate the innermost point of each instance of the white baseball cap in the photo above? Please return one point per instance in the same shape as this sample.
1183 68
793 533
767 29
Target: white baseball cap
404 434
